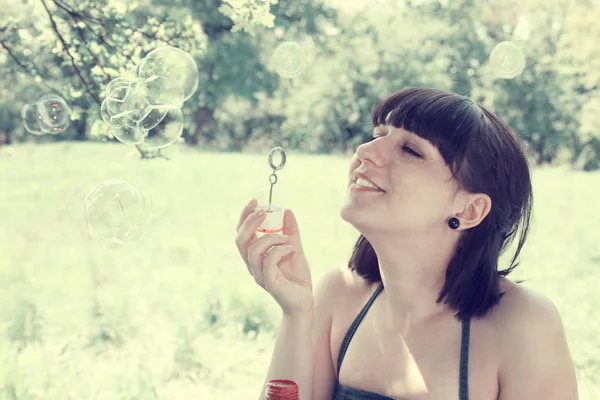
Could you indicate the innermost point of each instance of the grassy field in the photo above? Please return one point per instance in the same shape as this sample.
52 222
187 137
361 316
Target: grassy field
176 316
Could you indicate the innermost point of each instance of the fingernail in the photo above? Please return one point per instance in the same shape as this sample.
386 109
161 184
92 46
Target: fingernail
259 212
248 205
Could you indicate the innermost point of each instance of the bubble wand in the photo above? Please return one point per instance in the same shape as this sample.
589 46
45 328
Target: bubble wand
274 220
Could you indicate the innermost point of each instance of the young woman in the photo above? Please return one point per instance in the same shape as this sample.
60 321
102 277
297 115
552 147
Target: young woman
421 310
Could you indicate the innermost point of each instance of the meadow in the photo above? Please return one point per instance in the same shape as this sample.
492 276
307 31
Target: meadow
176 315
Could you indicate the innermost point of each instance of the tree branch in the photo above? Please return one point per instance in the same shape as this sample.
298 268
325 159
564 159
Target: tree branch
25 68
76 17
66 48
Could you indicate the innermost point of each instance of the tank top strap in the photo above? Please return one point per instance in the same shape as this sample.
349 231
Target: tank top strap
354 327
464 360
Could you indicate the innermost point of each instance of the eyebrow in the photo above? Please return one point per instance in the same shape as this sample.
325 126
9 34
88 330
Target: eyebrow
387 131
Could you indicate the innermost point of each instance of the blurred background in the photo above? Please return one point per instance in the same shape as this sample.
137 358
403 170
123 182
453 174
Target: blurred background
91 311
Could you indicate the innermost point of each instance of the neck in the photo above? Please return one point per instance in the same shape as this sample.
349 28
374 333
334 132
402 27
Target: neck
413 276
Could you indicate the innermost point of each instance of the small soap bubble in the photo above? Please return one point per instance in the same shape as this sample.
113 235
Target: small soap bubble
50 114
174 70
290 59
166 132
507 60
117 212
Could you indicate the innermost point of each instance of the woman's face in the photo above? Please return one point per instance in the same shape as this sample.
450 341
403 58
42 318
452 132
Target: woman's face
416 182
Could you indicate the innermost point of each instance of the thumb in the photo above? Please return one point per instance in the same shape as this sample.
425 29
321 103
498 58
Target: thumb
290 229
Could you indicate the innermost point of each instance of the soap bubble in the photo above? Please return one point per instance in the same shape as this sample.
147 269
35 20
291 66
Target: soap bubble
104 111
166 132
30 118
128 135
116 95
507 60
290 59
146 110
174 70
153 117
117 212
116 82
50 114
128 111
135 102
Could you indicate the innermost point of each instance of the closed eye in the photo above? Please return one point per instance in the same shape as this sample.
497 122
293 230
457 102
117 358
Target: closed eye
406 149
411 151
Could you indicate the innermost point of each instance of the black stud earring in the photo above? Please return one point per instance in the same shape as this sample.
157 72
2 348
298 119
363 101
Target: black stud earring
454 223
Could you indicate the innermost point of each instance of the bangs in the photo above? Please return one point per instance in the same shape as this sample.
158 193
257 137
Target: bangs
448 121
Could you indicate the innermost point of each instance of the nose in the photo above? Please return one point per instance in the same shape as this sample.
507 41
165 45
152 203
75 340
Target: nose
371 152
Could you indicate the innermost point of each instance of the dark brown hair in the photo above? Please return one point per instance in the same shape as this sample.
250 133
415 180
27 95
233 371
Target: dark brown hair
484 156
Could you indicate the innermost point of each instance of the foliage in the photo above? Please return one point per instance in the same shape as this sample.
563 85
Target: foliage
354 59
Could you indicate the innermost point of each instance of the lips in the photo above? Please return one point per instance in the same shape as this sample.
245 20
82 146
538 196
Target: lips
364 176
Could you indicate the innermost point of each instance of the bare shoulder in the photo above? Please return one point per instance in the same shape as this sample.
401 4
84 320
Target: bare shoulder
341 286
340 281
535 358
522 307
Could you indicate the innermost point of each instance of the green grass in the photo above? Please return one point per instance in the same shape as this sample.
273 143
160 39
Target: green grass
177 316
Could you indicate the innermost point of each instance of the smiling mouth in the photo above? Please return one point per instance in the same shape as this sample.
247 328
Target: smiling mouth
358 182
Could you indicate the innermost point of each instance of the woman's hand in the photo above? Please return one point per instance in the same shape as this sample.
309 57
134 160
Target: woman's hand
276 262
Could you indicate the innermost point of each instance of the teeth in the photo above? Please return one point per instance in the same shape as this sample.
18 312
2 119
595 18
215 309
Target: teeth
364 182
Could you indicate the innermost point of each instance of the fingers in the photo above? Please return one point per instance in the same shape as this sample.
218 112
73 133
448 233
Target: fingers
247 229
245 212
290 228
270 266
256 251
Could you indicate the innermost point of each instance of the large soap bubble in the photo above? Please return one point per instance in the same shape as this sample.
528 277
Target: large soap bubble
117 212
507 60
49 114
174 70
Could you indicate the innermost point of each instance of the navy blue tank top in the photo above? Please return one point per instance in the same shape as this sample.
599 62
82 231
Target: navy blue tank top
348 393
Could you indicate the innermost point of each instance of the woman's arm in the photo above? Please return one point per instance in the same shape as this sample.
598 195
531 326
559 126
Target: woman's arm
302 352
292 358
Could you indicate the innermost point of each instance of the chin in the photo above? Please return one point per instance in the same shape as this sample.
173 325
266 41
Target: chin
351 215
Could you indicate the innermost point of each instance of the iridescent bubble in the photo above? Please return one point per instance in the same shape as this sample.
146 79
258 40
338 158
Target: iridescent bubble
174 70
289 59
117 212
507 60
50 114
166 132
54 114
